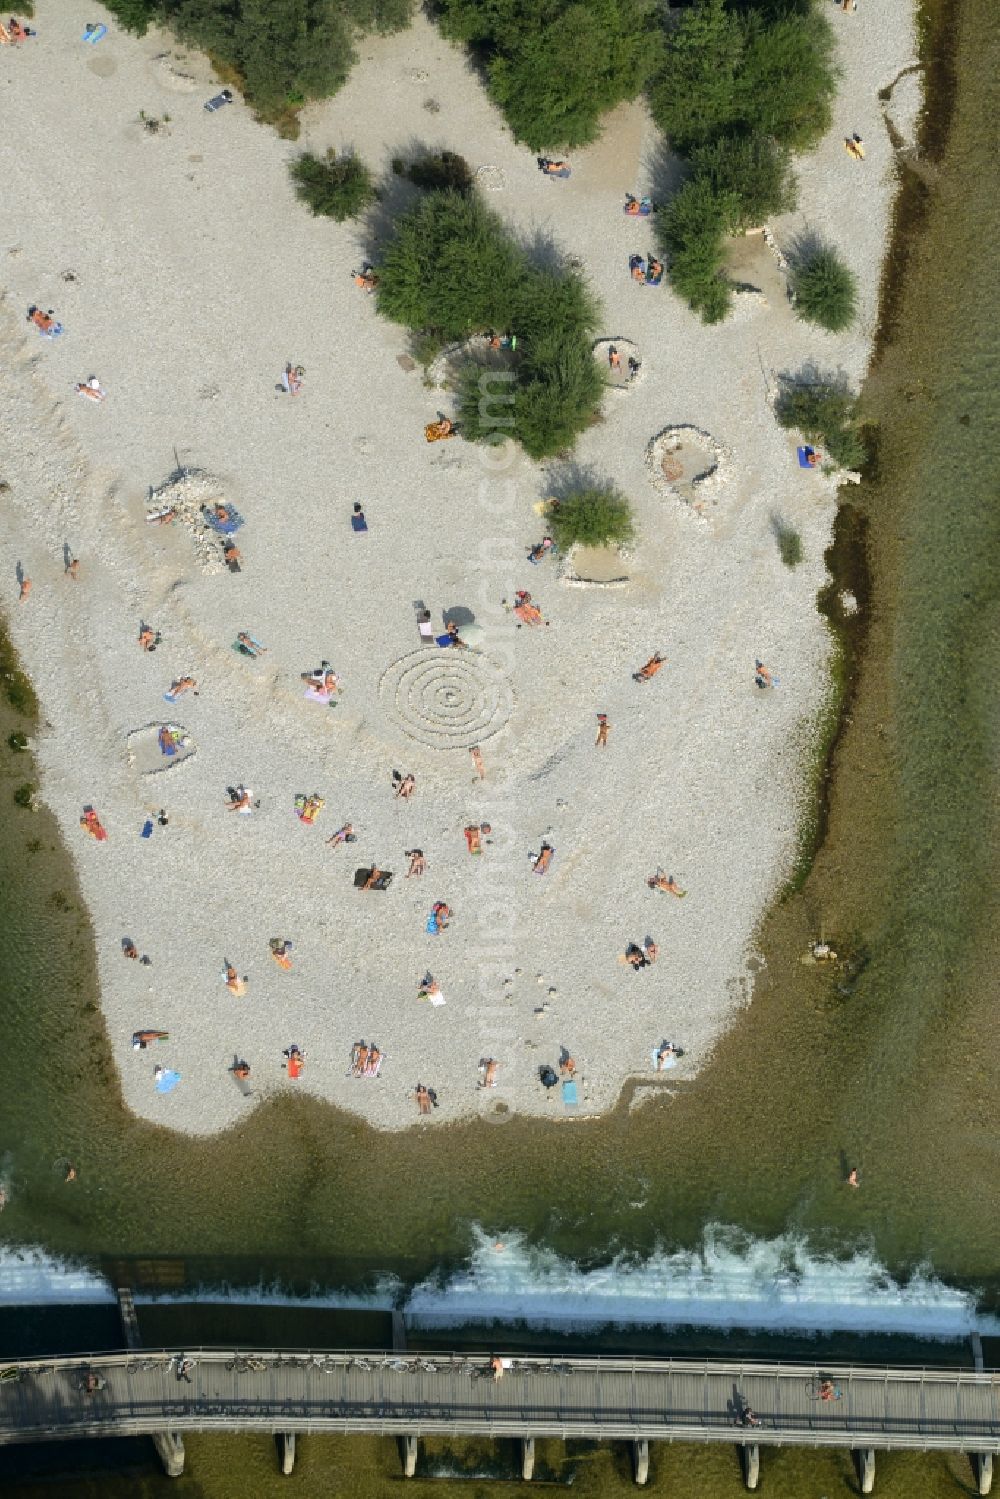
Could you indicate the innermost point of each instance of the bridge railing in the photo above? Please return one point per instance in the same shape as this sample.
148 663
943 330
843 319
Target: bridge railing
668 1399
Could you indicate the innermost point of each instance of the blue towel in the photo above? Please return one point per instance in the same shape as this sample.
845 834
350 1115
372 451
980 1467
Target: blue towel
224 527
93 34
804 457
358 523
167 1081
432 925
444 640
569 1094
147 828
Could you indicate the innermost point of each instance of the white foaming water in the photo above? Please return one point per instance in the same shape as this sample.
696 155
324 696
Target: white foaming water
776 1285
32 1277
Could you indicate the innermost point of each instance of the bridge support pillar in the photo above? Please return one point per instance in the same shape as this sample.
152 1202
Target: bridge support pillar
286 1451
640 1460
527 1458
982 1467
170 1450
409 1456
864 1457
750 1463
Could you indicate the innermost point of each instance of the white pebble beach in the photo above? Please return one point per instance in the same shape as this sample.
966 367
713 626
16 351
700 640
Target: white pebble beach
187 275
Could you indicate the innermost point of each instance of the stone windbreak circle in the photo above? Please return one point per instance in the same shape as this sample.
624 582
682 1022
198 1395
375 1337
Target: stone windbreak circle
447 699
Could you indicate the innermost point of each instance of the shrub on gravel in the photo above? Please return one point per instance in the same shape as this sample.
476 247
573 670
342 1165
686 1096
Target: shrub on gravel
826 290
279 53
440 171
337 186
754 170
691 229
452 270
556 66
729 70
593 516
825 412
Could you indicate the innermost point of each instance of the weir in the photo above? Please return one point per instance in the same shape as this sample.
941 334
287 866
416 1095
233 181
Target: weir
863 1408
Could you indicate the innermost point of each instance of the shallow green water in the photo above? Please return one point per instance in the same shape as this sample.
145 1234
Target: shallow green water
895 1069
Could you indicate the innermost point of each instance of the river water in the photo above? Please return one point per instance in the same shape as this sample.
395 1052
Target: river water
886 1063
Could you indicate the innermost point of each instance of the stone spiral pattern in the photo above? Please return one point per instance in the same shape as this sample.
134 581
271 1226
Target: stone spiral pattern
446 699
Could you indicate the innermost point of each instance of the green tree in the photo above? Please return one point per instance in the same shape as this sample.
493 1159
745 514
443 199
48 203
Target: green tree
825 290
596 515
281 51
787 78
754 170
692 229
450 268
555 66
825 412
693 97
440 170
557 397
764 71
338 186
136 15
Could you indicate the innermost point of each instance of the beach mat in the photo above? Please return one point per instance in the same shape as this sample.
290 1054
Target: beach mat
569 1094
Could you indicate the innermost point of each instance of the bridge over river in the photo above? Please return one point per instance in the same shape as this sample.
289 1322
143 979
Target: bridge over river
163 1393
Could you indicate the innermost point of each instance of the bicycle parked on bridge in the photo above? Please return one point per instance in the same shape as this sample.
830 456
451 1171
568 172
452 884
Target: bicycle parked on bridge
247 1365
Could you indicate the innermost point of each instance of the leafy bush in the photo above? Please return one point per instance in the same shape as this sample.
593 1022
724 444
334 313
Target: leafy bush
558 393
555 67
443 170
728 72
825 290
754 170
338 186
594 516
691 229
693 95
787 78
24 795
18 742
452 270
789 544
279 52
825 412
